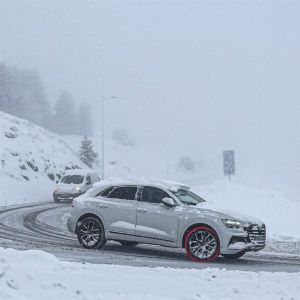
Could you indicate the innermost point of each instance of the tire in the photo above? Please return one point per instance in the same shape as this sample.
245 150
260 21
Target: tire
91 233
196 241
128 243
234 256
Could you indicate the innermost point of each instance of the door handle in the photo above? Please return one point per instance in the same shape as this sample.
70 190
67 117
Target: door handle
142 210
102 206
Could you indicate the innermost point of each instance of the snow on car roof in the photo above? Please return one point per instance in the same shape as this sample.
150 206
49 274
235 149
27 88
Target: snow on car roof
156 182
82 172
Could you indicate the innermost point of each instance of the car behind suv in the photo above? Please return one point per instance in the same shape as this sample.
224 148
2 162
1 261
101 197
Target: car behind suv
162 213
74 183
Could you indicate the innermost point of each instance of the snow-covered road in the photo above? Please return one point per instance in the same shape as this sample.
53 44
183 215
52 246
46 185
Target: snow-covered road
42 226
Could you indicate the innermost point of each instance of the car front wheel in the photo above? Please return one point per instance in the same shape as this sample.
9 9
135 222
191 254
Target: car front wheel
90 233
202 244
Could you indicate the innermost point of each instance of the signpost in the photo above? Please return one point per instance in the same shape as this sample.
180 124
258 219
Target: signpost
229 163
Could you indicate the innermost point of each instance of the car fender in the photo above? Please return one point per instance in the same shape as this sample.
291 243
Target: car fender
186 223
90 210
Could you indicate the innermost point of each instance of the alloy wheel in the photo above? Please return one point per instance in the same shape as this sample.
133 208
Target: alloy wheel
90 233
202 244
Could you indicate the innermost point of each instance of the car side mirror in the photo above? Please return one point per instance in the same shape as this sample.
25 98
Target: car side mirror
169 202
88 182
56 181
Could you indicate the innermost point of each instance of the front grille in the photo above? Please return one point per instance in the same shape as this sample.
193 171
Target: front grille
257 234
65 195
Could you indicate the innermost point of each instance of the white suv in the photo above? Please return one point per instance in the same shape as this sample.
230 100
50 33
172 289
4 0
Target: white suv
162 213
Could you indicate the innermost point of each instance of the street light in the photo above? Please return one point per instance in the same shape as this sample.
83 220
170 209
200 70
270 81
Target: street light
103 115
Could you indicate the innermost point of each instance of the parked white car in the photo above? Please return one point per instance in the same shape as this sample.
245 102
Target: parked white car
74 183
162 213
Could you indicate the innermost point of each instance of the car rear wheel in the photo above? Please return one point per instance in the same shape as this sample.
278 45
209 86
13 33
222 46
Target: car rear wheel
91 234
128 243
234 256
202 244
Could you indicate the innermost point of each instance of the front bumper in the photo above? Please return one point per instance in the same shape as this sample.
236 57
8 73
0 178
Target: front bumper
66 196
253 239
71 225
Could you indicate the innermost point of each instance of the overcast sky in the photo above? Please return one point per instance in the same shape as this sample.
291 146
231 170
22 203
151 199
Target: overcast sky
193 75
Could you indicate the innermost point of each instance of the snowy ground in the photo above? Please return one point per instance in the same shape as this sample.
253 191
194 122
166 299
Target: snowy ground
37 275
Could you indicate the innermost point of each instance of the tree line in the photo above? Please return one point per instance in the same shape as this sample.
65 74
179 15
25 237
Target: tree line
22 94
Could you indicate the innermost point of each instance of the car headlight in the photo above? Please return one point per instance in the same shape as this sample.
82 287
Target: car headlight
77 189
55 189
232 223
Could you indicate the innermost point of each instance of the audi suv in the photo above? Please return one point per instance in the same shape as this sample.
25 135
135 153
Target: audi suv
162 213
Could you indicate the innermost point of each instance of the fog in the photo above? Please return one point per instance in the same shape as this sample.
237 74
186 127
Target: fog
196 77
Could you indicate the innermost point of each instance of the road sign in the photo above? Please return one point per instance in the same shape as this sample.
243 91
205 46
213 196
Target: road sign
228 163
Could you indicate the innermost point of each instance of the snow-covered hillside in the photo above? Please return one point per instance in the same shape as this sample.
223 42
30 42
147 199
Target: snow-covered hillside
31 159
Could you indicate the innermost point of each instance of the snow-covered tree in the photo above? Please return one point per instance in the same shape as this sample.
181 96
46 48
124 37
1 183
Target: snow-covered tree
5 90
29 92
186 164
64 114
22 94
121 136
87 153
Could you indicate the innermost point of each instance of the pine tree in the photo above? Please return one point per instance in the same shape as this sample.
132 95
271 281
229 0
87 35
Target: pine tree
87 153
64 115
30 92
5 90
22 94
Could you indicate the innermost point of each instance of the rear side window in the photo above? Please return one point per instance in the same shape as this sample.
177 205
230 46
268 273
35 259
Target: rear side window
127 193
106 192
153 194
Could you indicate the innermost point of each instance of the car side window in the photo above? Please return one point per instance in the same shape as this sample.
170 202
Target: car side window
88 180
127 193
106 192
153 195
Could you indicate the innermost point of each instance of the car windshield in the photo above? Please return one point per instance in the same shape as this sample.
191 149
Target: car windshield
187 197
75 179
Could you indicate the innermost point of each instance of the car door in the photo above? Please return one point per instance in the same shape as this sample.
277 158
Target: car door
155 220
118 206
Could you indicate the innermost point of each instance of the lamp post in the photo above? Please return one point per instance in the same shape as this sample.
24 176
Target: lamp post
103 131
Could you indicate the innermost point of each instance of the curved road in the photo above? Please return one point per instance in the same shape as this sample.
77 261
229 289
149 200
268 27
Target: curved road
42 226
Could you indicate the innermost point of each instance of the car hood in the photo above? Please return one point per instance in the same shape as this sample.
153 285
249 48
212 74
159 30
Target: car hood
66 188
225 213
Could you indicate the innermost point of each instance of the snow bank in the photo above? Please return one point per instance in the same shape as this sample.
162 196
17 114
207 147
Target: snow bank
37 275
31 159
278 209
